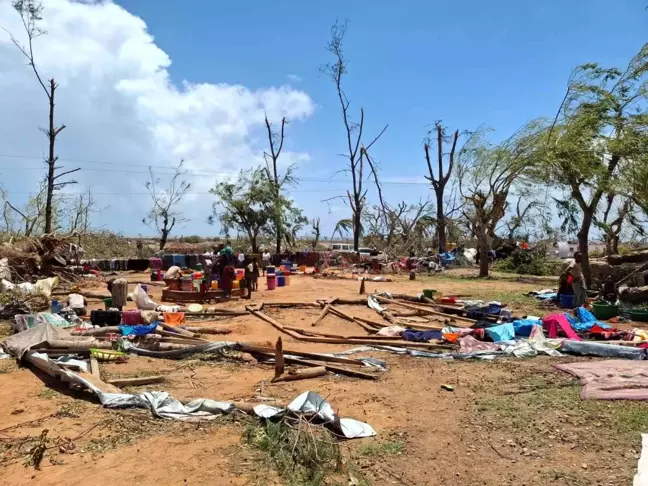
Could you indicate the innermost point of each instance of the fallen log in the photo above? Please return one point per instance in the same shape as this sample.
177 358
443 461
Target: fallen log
324 311
314 356
140 380
208 330
301 374
291 304
176 330
97 332
424 310
334 369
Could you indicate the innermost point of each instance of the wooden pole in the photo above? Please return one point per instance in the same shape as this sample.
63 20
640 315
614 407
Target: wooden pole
424 310
279 359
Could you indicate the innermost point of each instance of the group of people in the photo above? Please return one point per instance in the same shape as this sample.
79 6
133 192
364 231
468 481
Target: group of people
224 266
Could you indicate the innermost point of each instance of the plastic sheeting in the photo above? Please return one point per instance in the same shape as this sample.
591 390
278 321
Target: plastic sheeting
641 478
613 379
162 405
310 403
587 348
503 332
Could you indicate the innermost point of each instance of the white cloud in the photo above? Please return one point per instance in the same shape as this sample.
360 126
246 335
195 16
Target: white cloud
294 78
119 105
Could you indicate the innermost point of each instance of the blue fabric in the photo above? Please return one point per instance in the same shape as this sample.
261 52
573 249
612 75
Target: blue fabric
584 315
503 332
478 313
138 330
551 296
523 327
584 321
421 336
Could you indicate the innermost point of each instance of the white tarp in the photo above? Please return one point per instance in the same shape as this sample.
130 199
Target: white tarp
641 478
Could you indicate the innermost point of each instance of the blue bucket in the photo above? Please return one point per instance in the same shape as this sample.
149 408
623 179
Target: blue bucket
567 301
281 281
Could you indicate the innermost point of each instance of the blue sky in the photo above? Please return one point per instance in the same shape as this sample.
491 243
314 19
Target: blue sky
467 63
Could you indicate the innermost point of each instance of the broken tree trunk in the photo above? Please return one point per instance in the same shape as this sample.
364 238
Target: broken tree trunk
302 374
279 359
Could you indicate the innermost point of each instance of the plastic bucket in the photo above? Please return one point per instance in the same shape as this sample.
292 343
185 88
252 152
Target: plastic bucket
272 282
270 269
108 303
287 279
567 301
429 293
605 311
281 281
236 284
214 284
302 269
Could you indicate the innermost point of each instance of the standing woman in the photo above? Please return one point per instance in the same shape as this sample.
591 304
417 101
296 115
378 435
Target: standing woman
227 275
578 284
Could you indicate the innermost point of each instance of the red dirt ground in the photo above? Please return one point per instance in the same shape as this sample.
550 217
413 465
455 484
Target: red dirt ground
507 422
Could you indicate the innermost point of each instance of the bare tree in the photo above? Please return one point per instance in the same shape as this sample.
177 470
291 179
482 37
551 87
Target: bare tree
612 228
517 221
440 181
356 151
30 12
163 215
316 233
275 143
31 215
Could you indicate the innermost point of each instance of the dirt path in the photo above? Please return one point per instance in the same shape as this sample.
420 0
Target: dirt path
506 422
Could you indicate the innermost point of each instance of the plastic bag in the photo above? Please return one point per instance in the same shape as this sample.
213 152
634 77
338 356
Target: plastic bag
142 300
46 285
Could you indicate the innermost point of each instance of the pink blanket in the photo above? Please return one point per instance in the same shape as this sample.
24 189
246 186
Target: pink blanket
615 379
553 322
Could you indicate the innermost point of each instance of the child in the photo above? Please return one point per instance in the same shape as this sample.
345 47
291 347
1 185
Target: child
255 274
249 278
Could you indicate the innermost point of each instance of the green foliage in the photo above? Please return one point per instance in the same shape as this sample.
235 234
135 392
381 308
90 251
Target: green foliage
528 262
302 453
249 204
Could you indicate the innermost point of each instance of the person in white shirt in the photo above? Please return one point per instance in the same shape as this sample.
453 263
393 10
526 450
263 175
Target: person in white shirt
265 257
77 303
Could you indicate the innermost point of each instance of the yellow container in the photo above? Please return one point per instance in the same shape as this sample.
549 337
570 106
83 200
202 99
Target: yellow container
214 284
302 269
236 284
438 296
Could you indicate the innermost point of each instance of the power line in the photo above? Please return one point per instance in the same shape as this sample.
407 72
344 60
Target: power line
203 173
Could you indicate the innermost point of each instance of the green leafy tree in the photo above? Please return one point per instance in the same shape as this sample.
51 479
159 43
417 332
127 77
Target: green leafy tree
244 205
487 176
597 140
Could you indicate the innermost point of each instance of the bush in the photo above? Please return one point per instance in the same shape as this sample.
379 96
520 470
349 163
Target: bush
528 262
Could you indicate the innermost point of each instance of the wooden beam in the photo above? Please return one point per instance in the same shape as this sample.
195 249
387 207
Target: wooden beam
279 359
140 380
248 348
325 311
94 367
424 310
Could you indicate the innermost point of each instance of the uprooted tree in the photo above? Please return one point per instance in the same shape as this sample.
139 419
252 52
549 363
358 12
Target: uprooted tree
164 214
487 174
597 139
356 152
30 13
